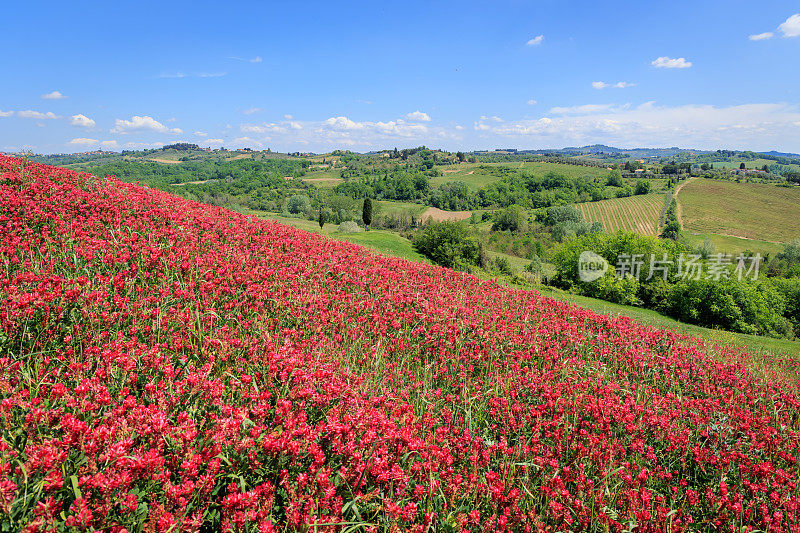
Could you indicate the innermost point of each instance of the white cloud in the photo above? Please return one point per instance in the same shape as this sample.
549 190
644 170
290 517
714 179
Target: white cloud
140 145
201 134
748 126
418 116
668 62
256 59
791 28
531 102
108 144
762 36
83 141
536 41
144 123
55 95
493 118
263 128
6 113
342 123
618 85
365 133
215 141
83 121
288 117
37 114
252 110
580 109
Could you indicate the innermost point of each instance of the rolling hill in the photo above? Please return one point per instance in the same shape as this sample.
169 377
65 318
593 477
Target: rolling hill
169 365
752 211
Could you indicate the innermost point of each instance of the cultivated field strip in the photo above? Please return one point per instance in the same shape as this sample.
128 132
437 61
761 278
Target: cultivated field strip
639 214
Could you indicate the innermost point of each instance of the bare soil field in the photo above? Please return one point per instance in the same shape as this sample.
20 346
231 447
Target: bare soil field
438 215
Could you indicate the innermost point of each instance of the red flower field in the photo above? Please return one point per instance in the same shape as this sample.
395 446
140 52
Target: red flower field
171 366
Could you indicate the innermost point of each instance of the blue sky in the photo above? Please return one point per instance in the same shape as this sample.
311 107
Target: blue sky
316 76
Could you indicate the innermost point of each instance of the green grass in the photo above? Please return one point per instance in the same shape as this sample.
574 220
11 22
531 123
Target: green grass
385 242
323 178
754 343
747 210
384 207
732 245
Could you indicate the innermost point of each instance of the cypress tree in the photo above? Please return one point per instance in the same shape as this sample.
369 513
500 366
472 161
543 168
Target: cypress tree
366 212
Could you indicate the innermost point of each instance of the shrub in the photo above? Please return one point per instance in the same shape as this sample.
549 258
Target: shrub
512 218
449 244
612 288
348 226
615 178
744 306
297 205
503 266
562 213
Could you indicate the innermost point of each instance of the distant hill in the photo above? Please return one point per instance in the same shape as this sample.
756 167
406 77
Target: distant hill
781 154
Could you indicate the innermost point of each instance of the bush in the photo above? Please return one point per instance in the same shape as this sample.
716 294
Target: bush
612 288
642 187
348 226
502 265
672 230
705 249
791 252
512 218
297 205
449 244
562 213
611 246
745 306
615 178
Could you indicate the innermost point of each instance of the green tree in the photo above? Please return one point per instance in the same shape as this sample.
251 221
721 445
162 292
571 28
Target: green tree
512 218
449 244
672 230
366 212
299 204
642 187
322 218
615 178
742 166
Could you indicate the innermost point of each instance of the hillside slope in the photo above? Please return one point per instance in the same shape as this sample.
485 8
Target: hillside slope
166 365
638 214
745 210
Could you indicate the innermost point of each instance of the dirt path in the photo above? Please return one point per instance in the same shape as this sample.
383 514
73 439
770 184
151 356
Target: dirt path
194 182
679 210
438 215
323 180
